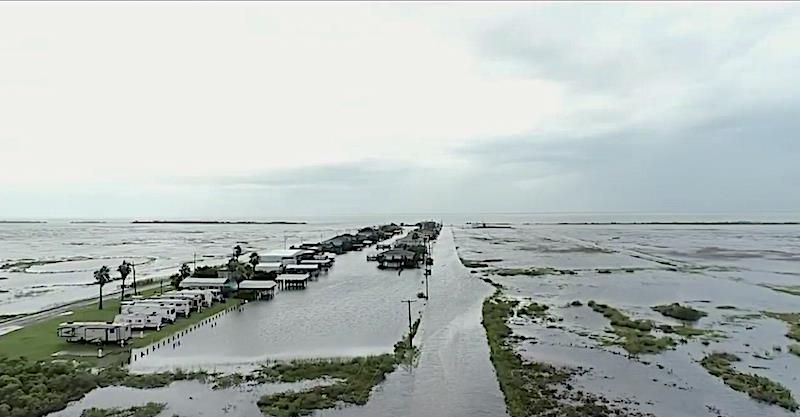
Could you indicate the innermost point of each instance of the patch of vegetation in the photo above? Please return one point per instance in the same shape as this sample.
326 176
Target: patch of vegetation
634 335
680 312
534 271
756 386
794 349
29 388
354 380
727 307
473 264
786 289
533 388
534 310
792 319
147 410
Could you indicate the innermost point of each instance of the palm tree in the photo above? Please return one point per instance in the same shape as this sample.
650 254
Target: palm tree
102 276
183 273
237 252
254 260
233 267
124 270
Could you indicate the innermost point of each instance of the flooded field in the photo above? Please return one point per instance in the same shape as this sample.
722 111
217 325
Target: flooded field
723 271
731 273
48 264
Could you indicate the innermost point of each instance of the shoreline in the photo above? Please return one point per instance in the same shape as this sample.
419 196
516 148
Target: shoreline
211 222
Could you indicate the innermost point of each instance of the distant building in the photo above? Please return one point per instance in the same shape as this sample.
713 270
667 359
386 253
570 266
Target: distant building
398 258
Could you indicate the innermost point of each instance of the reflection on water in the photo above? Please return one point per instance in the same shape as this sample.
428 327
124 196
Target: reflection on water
356 309
669 264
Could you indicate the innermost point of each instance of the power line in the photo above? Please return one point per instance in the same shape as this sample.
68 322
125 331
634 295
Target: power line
410 325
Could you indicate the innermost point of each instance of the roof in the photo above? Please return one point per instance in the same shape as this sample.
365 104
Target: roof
251 284
292 277
315 261
192 281
304 267
92 323
284 253
268 265
398 252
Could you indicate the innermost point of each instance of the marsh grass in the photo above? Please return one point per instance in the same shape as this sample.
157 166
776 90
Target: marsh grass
794 349
792 319
353 379
634 335
508 272
534 310
757 387
30 388
147 410
533 388
680 312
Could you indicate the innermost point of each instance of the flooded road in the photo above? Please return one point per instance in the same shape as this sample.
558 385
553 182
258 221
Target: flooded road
356 309
454 376
353 310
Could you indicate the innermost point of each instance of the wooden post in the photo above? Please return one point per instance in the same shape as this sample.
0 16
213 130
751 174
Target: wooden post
410 324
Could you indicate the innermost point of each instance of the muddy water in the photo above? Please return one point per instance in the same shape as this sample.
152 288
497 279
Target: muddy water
454 376
157 249
704 267
353 310
183 398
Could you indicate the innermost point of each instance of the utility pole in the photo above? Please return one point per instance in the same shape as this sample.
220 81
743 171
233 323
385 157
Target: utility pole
284 240
410 325
427 266
133 267
194 263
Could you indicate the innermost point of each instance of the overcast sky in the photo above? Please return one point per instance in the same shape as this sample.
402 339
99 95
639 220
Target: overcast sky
264 109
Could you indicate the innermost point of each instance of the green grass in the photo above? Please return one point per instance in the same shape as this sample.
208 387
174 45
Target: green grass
756 386
634 335
680 312
792 319
533 388
39 341
147 410
353 379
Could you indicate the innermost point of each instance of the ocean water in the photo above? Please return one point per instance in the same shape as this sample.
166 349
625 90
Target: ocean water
355 309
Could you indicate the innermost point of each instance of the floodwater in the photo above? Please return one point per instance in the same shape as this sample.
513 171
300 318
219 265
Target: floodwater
356 309
700 266
353 310
184 398
76 250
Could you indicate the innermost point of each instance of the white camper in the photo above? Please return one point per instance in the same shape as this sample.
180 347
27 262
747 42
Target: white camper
208 296
94 332
167 313
183 305
140 321
196 300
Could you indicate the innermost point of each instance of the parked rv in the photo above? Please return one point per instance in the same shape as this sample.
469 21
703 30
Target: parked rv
192 302
140 321
167 313
208 295
95 332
